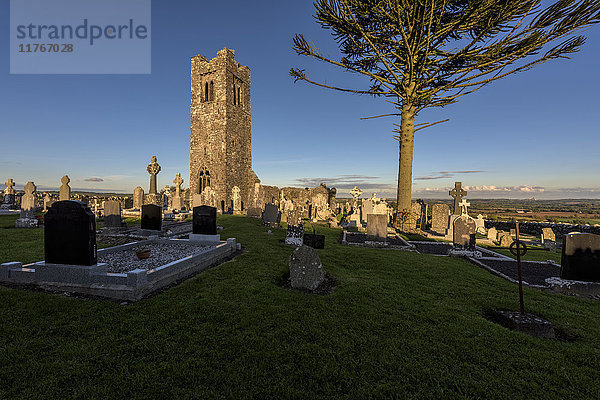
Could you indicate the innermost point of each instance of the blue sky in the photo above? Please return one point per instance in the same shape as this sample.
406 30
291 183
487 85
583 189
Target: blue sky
531 135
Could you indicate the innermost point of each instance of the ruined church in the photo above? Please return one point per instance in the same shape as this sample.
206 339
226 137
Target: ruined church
221 172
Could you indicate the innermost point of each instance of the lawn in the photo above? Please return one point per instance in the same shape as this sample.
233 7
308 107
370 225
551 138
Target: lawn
400 325
533 254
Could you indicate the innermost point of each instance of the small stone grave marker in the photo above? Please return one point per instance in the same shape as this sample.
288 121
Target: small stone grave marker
464 232
112 214
306 270
377 225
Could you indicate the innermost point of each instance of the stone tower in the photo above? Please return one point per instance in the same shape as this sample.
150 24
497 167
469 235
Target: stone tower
220 145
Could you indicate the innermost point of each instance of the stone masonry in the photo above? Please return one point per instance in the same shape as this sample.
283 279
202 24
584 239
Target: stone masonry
220 148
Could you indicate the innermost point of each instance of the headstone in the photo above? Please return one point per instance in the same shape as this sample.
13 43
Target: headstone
205 220
254 212
548 234
70 234
177 201
153 169
457 193
306 270
47 202
480 224
138 197
112 214
315 241
294 217
294 234
151 217
505 240
237 200
581 257
9 195
271 215
464 204
28 205
492 234
377 225
65 189
439 218
464 232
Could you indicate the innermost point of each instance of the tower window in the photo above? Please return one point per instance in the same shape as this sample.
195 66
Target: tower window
203 180
206 91
234 103
238 95
212 91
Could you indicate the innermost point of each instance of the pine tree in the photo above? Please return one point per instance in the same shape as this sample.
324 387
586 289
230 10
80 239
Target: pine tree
428 53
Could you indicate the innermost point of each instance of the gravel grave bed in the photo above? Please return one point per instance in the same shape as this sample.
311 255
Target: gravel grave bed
125 260
534 273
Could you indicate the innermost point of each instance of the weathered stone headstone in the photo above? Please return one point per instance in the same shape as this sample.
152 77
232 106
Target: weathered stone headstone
28 205
457 193
271 215
548 234
480 224
204 220
440 214
47 202
377 225
505 240
581 257
464 232
294 217
237 200
177 201
65 189
492 234
306 270
315 241
70 234
151 217
9 195
415 216
112 214
138 197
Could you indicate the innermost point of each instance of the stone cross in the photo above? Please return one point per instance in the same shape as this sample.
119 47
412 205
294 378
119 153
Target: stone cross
9 187
356 192
463 207
457 193
65 190
153 169
178 181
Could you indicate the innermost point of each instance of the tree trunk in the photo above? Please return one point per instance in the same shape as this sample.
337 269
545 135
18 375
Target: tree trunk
406 142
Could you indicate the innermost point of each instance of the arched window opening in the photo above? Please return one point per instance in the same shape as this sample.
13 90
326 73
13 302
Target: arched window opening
203 180
206 91
223 206
212 91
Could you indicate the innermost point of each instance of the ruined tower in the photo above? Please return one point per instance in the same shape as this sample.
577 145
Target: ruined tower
220 145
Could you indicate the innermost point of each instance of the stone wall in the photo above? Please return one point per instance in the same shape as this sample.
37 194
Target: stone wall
535 228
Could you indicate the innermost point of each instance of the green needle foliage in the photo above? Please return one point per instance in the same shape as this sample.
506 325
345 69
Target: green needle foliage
428 53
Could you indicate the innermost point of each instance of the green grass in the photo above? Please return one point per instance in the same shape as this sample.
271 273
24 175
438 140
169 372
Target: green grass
400 325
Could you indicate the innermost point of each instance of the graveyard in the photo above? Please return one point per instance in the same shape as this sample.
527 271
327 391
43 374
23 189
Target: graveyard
179 219
397 322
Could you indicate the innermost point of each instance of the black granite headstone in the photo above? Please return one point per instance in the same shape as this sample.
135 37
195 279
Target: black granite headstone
315 241
70 234
151 217
205 220
581 257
